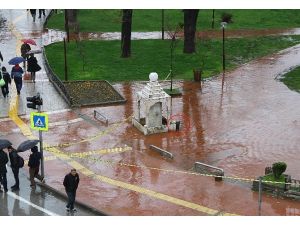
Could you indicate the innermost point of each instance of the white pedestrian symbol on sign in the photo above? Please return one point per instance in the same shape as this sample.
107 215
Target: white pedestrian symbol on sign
39 123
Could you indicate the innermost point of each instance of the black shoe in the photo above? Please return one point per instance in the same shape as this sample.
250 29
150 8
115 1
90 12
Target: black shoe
12 187
5 190
67 209
15 189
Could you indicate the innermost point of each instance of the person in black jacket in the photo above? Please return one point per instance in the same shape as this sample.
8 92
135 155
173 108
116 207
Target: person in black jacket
71 182
33 66
14 164
1 57
34 166
3 171
6 77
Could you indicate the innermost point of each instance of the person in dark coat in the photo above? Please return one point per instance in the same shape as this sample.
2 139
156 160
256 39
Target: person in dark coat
16 74
14 164
71 182
3 171
1 57
6 77
41 11
25 48
33 14
34 166
33 67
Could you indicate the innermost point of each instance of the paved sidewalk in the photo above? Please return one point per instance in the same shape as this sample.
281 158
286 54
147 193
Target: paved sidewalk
52 100
243 129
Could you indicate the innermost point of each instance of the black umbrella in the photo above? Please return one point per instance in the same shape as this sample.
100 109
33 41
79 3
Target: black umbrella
27 145
4 143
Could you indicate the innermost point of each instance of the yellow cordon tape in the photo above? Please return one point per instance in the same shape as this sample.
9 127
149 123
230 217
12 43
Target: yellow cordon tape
13 114
88 139
67 157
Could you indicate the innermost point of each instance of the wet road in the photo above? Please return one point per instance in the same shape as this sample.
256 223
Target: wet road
38 202
15 25
253 123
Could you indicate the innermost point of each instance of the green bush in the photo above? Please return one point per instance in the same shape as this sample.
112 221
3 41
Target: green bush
278 168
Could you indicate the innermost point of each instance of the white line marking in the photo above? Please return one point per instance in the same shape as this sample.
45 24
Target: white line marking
31 204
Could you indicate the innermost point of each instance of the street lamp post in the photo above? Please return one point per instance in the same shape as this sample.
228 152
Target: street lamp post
223 25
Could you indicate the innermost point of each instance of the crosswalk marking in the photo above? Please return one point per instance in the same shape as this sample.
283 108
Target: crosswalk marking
13 195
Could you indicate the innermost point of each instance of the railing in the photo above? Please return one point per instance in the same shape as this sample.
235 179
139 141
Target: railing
99 116
200 167
58 84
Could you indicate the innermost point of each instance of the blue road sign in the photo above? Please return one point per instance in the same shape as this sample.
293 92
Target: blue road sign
39 121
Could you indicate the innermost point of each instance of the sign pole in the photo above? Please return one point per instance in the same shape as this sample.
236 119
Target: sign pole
259 195
41 147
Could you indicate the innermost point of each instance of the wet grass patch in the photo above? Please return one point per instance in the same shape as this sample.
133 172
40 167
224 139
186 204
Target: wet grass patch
271 178
175 92
292 79
100 60
150 19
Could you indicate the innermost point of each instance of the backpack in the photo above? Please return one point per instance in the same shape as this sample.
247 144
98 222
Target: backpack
20 161
2 82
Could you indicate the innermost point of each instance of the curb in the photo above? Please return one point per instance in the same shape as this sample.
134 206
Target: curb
81 204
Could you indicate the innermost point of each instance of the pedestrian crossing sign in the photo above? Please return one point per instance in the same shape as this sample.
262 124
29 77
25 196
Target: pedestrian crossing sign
39 121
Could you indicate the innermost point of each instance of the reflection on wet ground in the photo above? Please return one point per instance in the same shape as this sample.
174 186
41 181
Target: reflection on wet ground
248 126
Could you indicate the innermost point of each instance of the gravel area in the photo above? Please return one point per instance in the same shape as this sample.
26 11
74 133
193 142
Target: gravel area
84 93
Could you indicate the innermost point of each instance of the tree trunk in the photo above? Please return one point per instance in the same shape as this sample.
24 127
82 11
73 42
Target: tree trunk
126 33
72 15
190 21
72 19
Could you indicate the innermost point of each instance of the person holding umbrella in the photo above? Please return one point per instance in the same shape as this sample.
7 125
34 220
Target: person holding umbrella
25 47
3 171
14 164
16 74
34 165
33 66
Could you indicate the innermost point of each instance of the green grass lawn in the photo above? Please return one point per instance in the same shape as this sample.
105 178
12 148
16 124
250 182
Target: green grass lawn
270 177
103 62
103 20
292 79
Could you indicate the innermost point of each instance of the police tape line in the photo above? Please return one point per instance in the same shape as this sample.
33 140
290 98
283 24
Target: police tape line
113 163
94 137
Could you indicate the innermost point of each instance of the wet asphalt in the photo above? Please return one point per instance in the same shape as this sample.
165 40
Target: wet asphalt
34 202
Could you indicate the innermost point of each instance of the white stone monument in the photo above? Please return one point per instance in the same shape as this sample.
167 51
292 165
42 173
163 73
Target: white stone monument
152 109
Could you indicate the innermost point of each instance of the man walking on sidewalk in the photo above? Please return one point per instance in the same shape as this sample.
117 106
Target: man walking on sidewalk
34 166
3 171
71 182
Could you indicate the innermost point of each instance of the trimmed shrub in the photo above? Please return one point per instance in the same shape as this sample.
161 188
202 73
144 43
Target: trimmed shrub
278 168
226 17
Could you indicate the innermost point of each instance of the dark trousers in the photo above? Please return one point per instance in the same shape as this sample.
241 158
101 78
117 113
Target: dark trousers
3 180
16 175
5 90
71 199
19 83
41 11
34 172
33 76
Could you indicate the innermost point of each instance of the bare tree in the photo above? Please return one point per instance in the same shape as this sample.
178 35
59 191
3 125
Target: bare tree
126 33
172 33
190 22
